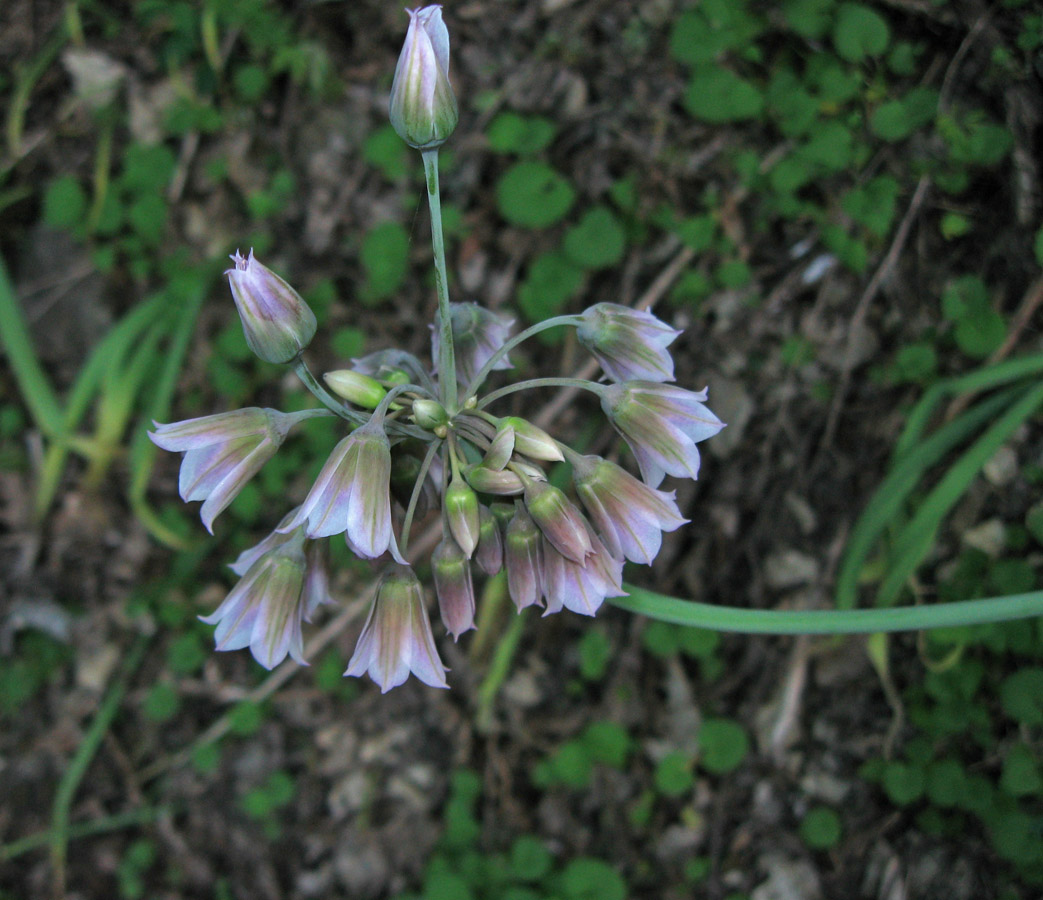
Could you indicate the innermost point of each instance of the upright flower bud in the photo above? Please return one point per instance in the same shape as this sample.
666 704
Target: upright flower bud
423 107
461 509
429 414
454 587
278 324
355 387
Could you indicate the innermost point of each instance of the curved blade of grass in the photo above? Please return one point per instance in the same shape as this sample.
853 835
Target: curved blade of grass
111 347
917 537
889 498
828 621
34 385
142 450
981 379
102 825
81 761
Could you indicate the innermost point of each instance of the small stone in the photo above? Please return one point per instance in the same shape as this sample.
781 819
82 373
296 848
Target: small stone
788 568
788 879
1002 467
990 537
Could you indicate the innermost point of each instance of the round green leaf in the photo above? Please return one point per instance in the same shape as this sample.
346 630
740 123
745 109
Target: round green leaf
904 783
533 195
859 32
821 828
1022 696
597 241
524 135
719 95
384 256
1020 772
550 281
673 776
530 858
64 203
722 745
592 879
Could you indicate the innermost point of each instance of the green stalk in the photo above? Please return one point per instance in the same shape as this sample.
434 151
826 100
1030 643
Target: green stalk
579 383
446 350
324 396
484 371
829 621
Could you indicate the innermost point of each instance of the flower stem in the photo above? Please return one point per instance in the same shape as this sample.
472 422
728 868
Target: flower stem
484 371
418 486
538 383
829 621
447 352
324 396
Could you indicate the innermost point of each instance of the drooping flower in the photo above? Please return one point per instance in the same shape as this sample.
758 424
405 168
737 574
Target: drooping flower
662 423
559 520
278 589
454 587
628 343
397 638
278 324
523 559
489 552
352 493
581 586
423 108
461 511
629 515
223 452
477 334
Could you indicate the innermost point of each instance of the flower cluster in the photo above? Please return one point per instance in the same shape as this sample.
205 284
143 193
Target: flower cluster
422 441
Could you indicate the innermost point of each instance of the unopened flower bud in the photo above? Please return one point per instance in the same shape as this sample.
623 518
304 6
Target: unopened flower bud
454 587
429 414
356 388
489 554
501 449
560 521
423 107
523 559
461 507
278 324
533 441
492 481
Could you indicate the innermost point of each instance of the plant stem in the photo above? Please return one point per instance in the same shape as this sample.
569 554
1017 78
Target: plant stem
446 350
538 383
484 371
418 486
829 621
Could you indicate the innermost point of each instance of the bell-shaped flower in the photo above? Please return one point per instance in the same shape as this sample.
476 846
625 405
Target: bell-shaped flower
662 423
581 586
461 512
629 515
397 638
223 452
628 343
423 107
352 493
265 609
489 552
477 334
454 587
278 324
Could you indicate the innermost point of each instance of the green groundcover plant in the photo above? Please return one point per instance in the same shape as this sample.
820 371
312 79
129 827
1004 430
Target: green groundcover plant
419 438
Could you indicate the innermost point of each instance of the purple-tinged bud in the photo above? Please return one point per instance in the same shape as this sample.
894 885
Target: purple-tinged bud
581 586
223 452
352 493
356 388
533 441
278 324
661 423
629 515
558 519
454 587
397 638
492 481
489 553
461 509
501 449
523 560
429 414
423 107
628 343
477 334
265 609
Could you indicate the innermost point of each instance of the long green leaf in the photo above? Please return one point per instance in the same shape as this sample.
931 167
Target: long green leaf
889 498
828 621
915 540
